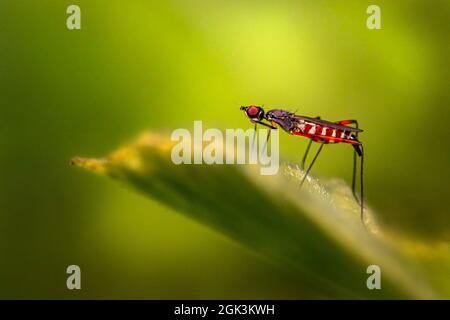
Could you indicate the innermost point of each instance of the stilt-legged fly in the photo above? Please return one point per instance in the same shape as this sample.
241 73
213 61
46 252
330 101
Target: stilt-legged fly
321 131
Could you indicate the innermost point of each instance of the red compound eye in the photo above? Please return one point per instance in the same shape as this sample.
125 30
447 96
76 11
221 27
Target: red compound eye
252 111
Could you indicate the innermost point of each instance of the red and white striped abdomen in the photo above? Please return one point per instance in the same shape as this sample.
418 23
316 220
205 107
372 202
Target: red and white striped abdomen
324 134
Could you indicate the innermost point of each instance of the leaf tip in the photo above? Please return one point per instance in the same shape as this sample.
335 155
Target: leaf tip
94 165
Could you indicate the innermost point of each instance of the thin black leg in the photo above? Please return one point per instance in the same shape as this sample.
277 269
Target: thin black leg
310 166
254 137
306 154
358 151
355 154
362 184
267 141
354 176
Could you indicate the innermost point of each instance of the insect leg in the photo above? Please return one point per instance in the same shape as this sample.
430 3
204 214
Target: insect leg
355 154
354 176
310 166
254 136
265 124
272 127
359 151
267 141
268 133
347 122
362 182
302 166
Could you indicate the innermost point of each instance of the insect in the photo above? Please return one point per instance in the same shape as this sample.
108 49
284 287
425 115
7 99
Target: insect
317 130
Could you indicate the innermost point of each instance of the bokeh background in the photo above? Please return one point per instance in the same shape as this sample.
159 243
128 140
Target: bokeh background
139 65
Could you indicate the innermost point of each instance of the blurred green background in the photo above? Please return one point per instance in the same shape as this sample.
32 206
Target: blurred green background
140 65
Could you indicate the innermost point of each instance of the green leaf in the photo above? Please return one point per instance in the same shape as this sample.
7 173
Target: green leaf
314 234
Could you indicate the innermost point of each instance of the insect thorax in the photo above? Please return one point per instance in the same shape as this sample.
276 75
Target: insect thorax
285 123
299 125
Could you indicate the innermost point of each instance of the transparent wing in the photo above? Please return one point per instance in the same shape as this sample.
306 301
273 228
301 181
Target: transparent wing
328 124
